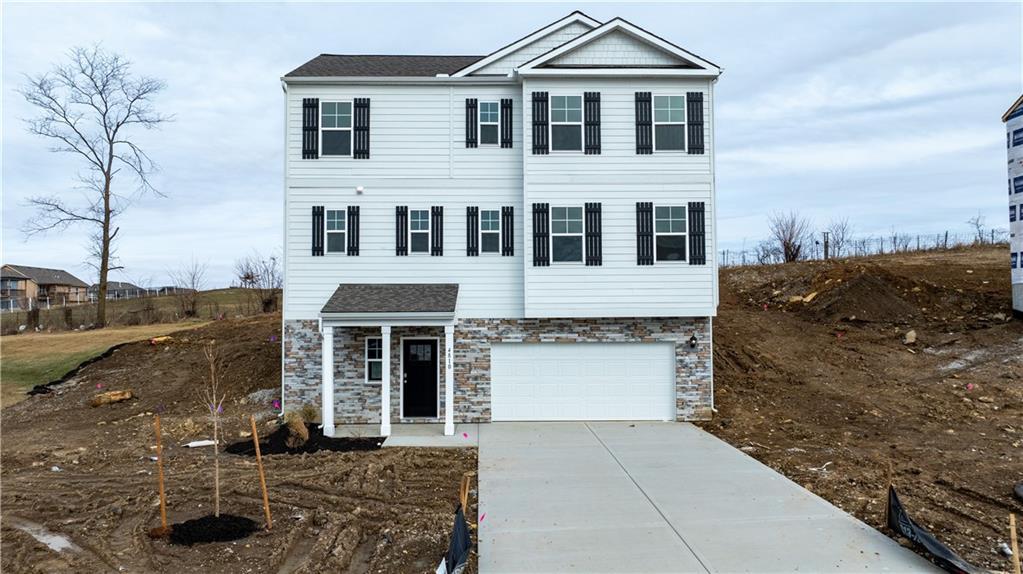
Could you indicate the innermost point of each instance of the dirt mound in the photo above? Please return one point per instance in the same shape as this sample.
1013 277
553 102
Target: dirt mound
277 443
209 528
872 296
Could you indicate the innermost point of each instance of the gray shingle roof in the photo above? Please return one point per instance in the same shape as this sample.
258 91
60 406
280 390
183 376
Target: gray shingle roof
326 65
393 298
43 276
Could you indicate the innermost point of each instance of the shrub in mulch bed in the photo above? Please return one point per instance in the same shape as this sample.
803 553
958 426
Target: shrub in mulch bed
211 528
276 443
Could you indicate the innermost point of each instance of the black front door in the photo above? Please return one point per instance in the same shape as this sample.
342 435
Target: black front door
419 377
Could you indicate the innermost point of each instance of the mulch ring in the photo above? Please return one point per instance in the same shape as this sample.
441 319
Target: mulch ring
209 528
276 443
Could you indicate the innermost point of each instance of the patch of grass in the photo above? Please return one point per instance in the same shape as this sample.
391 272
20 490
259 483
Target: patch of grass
32 359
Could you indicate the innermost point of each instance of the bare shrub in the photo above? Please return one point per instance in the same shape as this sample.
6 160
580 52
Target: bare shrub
213 402
976 223
790 233
190 280
840 233
263 279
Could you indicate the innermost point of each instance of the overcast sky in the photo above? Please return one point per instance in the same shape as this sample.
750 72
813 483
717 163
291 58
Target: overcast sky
886 114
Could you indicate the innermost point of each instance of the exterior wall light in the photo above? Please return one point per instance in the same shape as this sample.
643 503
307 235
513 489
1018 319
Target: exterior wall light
692 342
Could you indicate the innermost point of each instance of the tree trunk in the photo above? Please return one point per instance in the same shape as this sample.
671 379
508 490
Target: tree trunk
104 258
216 467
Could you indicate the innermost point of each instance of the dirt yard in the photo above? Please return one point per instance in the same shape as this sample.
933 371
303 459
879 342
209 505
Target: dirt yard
828 390
82 478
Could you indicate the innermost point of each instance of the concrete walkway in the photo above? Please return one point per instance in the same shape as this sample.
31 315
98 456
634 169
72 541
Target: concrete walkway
656 497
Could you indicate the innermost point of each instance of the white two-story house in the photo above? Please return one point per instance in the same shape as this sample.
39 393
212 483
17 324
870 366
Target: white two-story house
1013 118
526 235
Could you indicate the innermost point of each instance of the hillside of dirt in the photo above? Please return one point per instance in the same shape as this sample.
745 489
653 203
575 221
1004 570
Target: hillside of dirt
83 478
818 376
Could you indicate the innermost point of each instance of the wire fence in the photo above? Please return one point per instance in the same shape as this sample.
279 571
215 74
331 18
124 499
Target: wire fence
828 247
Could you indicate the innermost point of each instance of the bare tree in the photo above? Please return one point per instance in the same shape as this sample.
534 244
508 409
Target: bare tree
840 234
263 279
189 281
790 232
89 107
213 401
977 224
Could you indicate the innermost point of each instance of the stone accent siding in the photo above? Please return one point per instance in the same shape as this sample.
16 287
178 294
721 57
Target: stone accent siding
357 401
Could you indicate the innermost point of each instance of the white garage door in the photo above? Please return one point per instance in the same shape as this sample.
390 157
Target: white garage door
582 381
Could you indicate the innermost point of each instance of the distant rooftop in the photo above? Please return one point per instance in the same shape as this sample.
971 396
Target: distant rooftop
328 65
42 275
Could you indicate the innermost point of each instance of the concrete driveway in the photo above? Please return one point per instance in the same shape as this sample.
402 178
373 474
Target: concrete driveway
656 497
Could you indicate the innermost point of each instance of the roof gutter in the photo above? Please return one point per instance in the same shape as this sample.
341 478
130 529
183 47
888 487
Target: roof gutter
430 80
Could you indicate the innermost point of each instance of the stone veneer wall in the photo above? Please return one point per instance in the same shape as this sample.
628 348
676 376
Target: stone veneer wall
357 401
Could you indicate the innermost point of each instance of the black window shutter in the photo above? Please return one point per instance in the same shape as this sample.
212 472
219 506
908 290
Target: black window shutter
540 144
508 230
694 121
317 230
506 123
591 123
353 230
310 128
644 124
401 230
360 124
644 233
472 231
437 230
593 235
697 234
471 125
541 235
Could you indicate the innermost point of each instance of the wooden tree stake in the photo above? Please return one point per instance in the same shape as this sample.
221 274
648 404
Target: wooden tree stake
262 477
159 473
1015 543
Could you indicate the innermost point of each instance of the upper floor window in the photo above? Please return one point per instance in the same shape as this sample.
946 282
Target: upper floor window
669 123
670 232
566 123
374 359
336 128
1017 137
490 123
1017 184
419 230
567 234
335 230
490 230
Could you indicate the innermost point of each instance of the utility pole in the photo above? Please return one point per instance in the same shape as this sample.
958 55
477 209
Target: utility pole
827 251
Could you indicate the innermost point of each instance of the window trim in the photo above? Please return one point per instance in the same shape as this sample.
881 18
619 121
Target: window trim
429 231
654 123
326 239
1017 141
480 123
1017 184
480 231
684 234
551 123
581 235
367 360
350 129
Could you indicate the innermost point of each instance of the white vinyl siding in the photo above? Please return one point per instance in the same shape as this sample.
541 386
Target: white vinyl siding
540 46
616 49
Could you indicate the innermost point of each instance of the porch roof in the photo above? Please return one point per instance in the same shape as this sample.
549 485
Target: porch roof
392 299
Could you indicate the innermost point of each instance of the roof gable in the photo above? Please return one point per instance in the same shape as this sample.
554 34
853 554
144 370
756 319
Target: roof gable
1016 109
504 60
616 45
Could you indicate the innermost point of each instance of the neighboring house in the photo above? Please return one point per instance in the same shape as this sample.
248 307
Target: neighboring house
527 235
1013 119
118 290
21 283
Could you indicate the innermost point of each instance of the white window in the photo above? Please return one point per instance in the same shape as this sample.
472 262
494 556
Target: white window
335 230
670 232
374 359
490 231
669 123
490 123
335 128
566 123
567 234
419 230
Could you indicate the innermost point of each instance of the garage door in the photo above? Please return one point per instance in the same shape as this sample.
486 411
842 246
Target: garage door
582 381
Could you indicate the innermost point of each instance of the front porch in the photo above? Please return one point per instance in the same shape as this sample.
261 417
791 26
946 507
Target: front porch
431 435
386 356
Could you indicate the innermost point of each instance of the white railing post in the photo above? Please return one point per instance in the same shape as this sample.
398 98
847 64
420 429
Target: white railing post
385 383
449 378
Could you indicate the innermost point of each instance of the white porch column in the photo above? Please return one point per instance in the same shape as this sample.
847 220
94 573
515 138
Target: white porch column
449 380
327 394
385 384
